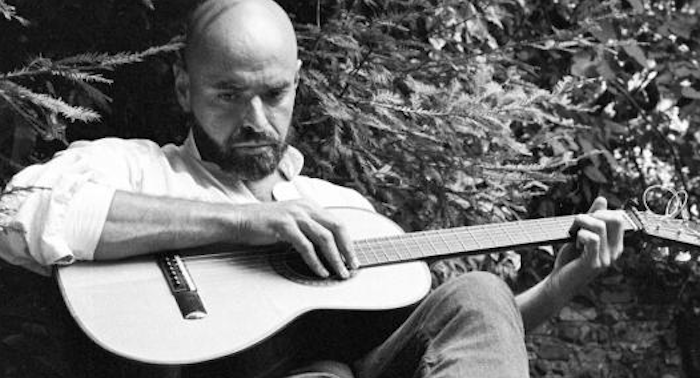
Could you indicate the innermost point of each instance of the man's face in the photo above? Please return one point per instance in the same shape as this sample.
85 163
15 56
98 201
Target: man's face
242 106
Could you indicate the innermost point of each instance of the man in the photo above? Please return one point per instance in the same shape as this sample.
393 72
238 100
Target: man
236 179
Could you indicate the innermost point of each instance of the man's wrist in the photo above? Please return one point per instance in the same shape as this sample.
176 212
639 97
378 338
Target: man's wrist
564 283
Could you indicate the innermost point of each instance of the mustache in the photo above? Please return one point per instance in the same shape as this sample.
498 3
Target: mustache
249 135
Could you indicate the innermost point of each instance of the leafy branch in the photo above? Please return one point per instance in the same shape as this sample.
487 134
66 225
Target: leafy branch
45 112
10 13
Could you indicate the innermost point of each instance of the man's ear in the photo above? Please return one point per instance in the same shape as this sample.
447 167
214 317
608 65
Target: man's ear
296 75
182 85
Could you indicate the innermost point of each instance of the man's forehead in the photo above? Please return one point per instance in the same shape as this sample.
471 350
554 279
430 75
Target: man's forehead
244 26
244 82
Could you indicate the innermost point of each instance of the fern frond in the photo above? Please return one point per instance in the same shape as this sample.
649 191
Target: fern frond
381 75
128 58
515 167
334 108
28 114
409 110
108 61
80 76
384 96
95 95
522 177
52 104
10 13
345 42
315 77
421 87
565 84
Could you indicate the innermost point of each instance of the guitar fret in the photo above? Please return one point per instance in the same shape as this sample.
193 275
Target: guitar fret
487 239
361 248
382 252
521 234
463 247
507 234
394 249
474 238
455 243
446 244
417 247
374 254
476 241
521 229
432 246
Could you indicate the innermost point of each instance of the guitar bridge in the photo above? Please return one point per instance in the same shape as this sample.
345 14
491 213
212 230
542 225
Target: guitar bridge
182 286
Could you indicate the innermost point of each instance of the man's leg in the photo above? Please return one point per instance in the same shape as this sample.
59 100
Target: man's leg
468 327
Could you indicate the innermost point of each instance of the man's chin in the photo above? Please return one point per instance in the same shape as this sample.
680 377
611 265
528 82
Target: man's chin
251 167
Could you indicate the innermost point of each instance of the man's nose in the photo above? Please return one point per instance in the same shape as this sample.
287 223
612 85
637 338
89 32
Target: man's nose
255 114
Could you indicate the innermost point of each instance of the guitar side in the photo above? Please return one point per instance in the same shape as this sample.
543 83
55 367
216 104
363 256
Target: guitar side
127 308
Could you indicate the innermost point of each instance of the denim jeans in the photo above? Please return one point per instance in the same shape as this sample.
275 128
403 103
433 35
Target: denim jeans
468 327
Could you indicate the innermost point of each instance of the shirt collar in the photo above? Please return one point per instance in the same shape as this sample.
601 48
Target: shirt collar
290 166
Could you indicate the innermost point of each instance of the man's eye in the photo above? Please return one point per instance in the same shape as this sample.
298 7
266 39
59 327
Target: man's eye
276 95
228 96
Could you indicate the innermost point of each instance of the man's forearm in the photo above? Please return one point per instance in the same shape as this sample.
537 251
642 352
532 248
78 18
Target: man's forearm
547 297
137 224
538 303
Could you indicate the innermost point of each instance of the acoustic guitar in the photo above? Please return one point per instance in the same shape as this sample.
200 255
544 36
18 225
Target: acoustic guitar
196 305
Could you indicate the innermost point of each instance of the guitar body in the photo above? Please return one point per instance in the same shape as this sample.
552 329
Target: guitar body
127 307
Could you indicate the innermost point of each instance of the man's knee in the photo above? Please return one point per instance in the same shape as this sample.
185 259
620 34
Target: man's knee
477 293
477 287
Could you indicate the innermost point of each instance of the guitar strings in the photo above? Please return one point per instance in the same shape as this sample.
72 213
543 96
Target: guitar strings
372 250
676 205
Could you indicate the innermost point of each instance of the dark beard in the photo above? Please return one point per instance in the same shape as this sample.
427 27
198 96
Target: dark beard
245 166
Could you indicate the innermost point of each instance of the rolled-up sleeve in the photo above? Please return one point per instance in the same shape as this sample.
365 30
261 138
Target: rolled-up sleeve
55 212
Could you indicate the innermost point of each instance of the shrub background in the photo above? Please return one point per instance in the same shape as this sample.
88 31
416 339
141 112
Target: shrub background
443 113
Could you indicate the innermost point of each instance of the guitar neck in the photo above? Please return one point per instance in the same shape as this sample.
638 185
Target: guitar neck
468 240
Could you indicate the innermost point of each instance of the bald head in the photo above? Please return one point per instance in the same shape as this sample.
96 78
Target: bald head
245 31
239 84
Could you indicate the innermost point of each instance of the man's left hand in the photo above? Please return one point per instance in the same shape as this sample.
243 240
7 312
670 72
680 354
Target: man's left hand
598 244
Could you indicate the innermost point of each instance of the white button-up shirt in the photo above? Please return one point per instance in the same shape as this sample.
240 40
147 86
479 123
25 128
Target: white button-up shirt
61 218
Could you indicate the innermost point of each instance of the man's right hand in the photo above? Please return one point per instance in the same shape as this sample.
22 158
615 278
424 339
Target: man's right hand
313 231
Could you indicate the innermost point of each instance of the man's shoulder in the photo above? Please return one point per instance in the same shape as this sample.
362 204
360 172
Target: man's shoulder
328 194
114 144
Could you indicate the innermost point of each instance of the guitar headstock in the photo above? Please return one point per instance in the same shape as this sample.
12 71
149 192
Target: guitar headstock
668 229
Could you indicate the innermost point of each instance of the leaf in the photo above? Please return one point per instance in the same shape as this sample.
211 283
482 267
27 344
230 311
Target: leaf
10 13
632 49
108 61
606 71
593 173
615 128
79 76
583 63
148 4
52 104
690 92
604 31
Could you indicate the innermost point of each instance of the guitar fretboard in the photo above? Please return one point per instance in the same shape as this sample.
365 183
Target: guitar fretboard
465 240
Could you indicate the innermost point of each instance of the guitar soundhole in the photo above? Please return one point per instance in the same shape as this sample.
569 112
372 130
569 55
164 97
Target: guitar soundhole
293 267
